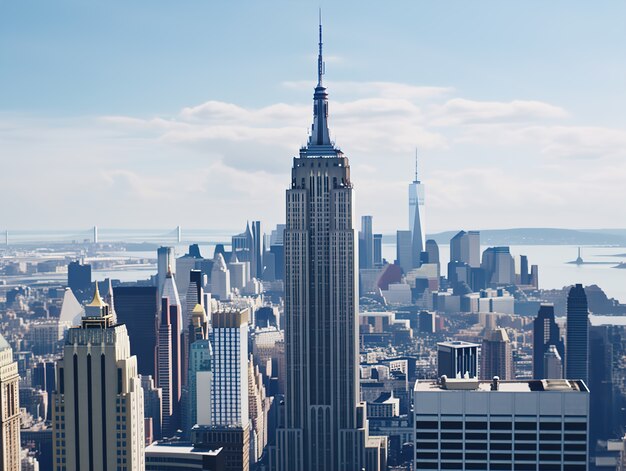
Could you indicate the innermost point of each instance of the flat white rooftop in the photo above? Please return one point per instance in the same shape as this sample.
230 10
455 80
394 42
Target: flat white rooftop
549 385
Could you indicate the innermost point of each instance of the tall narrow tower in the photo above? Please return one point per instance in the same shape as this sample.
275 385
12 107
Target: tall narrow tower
577 351
416 217
9 409
324 423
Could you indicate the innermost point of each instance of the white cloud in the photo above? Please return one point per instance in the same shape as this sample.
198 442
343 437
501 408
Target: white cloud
216 164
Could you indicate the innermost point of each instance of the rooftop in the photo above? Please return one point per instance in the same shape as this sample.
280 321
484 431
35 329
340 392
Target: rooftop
177 448
457 344
474 385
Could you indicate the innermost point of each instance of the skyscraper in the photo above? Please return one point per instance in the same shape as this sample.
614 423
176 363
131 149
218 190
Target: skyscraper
256 259
137 307
78 276
226 422
9 409
99 395
169 356
366 243
496 358
546 333
378 250
577 352
416 217
465 247
325 426
220 278
165 264
404 256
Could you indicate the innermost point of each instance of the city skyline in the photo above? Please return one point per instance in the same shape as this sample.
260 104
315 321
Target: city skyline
139 111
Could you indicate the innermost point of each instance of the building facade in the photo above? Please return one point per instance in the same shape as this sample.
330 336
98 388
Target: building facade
577 353
416 218
325 425
525 425
457 359
98 415
9 409
546 333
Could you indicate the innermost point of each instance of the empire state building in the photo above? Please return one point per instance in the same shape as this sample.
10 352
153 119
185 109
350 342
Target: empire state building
325 425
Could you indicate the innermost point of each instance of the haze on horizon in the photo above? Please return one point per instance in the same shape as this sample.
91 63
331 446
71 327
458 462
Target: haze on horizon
154 114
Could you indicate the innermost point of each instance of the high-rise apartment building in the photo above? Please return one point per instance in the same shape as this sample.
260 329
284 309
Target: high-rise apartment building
577 353
496 358
223 419
98 415
9 409
325 425
546 333
416 218
137 307
512 425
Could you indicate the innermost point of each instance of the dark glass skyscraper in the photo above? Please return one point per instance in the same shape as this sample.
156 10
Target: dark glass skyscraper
545 333
138 308
325 426
577 353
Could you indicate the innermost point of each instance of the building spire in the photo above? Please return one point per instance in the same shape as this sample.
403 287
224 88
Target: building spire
416 180
320 61
320 137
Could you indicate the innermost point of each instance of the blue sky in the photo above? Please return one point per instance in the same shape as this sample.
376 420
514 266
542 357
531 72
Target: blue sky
123 107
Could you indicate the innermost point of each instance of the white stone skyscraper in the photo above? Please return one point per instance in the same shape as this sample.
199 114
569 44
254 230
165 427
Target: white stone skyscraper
325 426
416 217
98 415
9 409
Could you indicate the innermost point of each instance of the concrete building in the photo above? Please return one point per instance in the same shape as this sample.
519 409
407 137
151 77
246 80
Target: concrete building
152 407
471 424
496 358
9 409
220 279
98 415
166 263
162 456
325 424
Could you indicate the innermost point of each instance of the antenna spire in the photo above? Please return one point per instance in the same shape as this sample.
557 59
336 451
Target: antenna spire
320 61
416 164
